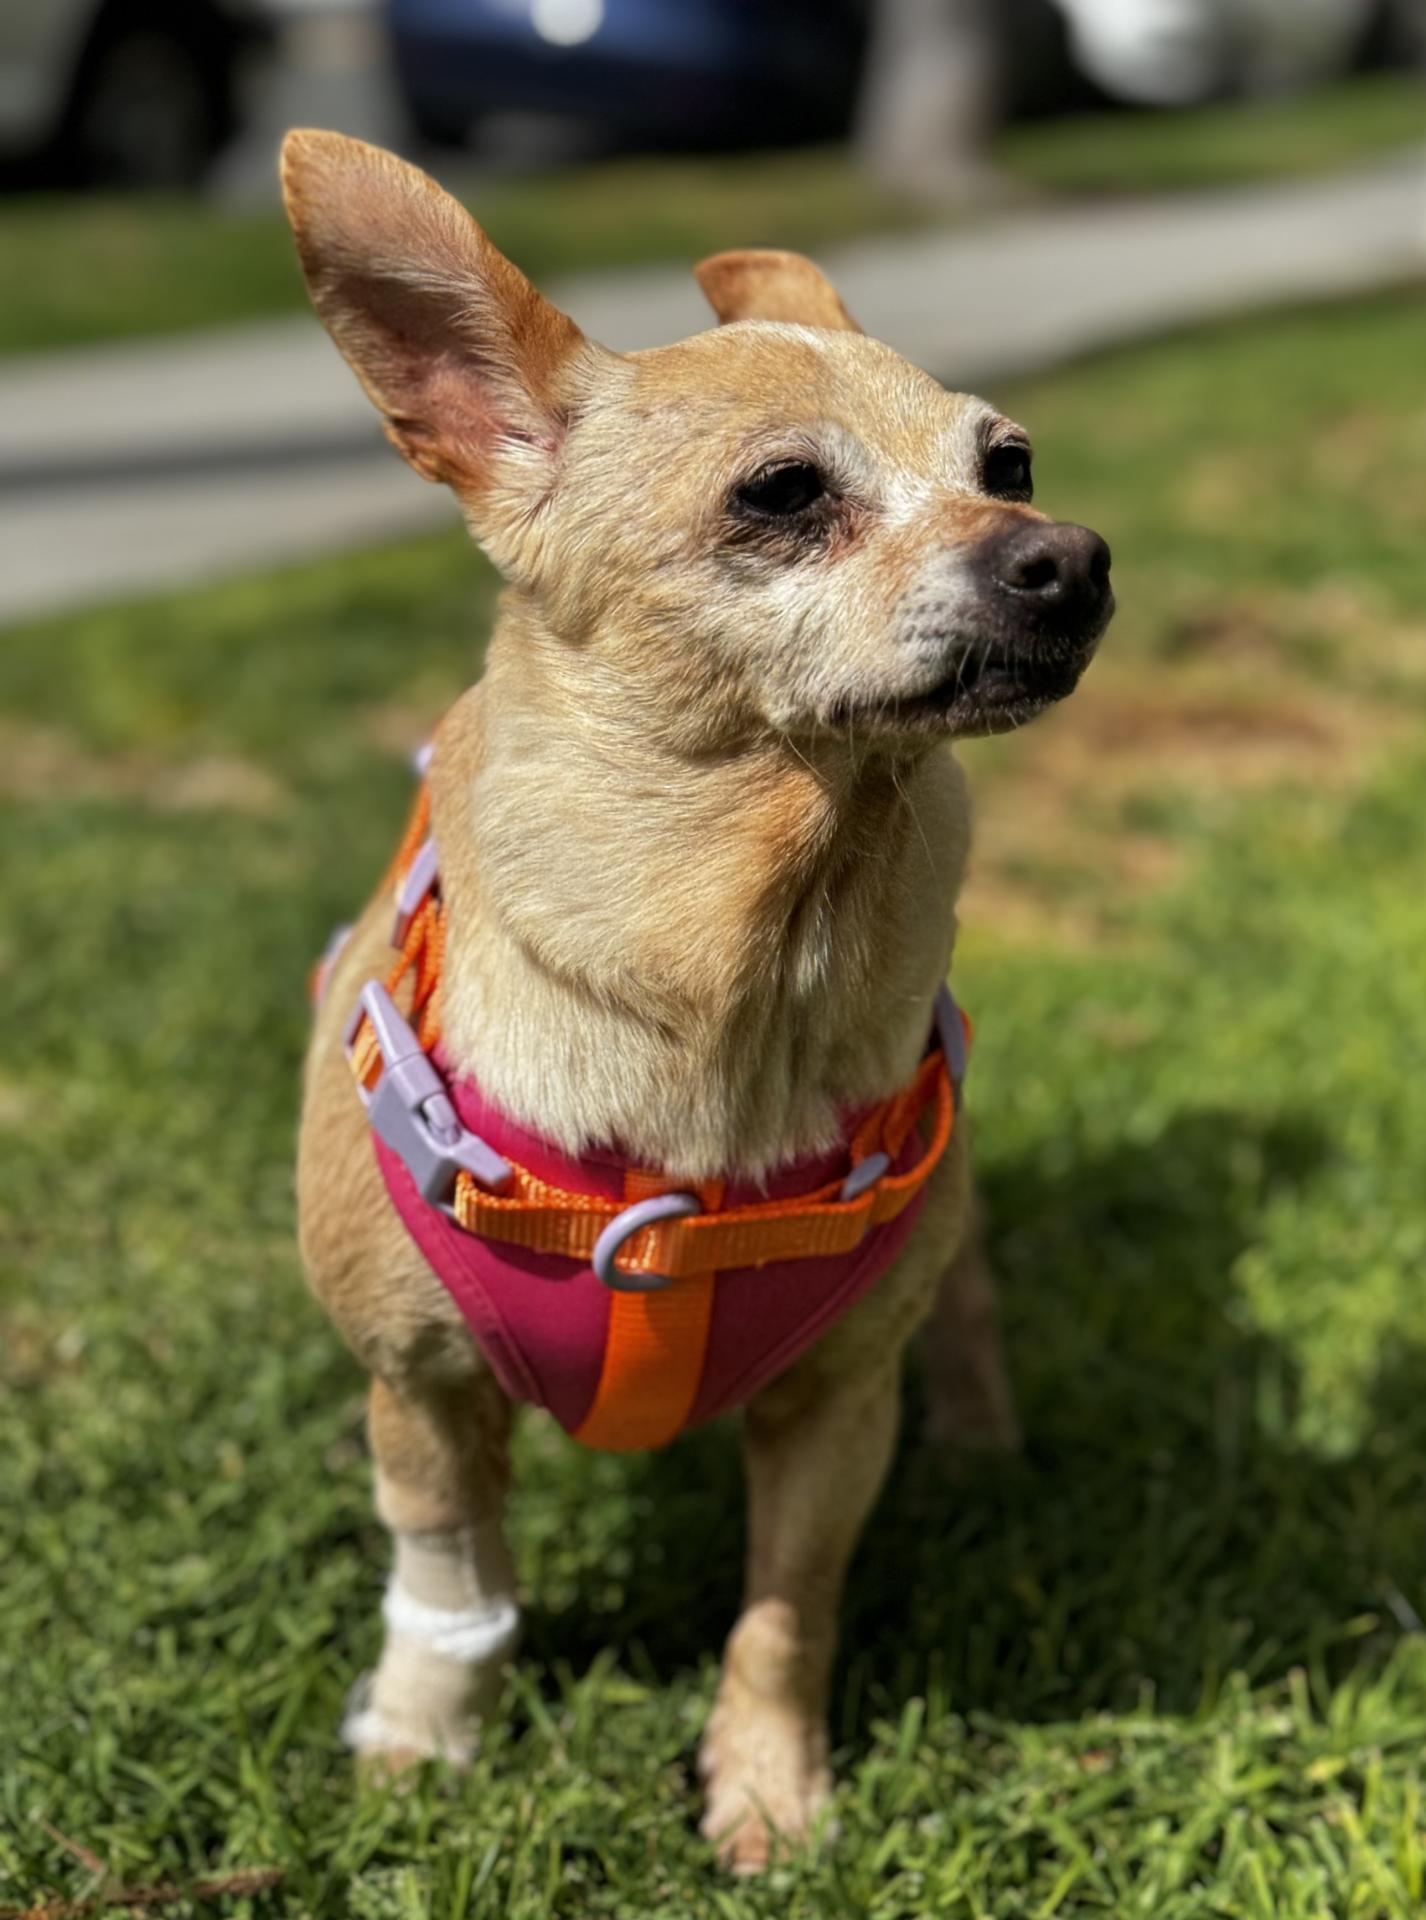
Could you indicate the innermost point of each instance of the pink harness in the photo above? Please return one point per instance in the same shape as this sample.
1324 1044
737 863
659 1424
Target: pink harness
609 1338
542 1321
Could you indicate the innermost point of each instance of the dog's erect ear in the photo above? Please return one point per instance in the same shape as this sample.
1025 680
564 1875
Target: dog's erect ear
475 373
759 285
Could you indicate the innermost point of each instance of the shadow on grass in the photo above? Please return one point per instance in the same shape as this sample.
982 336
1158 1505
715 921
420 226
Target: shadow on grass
1164 1526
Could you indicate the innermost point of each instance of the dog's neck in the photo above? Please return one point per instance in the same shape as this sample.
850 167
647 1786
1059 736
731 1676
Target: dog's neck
705 958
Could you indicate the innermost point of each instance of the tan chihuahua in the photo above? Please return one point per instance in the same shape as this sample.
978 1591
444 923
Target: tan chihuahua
700 835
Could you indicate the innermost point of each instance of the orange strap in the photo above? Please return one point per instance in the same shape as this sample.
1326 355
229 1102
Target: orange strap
551 1220
656 1340
422 954
653 1363
654 1348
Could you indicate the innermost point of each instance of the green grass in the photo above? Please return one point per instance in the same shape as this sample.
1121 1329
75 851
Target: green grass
76 271
1169 1663
1218 145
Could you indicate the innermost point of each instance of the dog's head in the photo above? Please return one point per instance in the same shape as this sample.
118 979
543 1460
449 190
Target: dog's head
778 524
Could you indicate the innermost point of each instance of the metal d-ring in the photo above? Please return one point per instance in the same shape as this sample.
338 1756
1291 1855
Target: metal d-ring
643 1213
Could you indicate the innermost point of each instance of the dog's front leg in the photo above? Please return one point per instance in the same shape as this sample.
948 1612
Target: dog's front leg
817 1449
450 1612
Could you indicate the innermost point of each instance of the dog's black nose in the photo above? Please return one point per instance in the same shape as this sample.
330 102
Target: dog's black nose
1053 567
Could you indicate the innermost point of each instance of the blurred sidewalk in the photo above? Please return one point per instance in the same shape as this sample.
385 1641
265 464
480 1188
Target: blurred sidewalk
142 466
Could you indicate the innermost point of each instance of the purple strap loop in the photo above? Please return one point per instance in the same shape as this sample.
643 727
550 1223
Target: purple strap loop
951 1033
416 883
865 1174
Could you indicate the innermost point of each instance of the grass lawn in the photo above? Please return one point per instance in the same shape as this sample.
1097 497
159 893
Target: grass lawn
1169 1663
77 270
1215 146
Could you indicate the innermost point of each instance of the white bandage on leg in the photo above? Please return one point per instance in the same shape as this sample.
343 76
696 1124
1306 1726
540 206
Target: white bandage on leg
474 1636
451 1621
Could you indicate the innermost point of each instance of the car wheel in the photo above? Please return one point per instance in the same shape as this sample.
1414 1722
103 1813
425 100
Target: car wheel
153 102
437 128
1395 35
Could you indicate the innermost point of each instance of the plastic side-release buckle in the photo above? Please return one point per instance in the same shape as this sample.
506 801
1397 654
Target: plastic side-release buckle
411 1111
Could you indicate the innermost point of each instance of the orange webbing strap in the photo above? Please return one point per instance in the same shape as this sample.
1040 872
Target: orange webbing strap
654 1349
547 1219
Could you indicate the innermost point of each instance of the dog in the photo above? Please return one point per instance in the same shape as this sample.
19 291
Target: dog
684 881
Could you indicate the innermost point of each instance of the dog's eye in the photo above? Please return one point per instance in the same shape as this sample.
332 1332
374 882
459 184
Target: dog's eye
781 491
1007 473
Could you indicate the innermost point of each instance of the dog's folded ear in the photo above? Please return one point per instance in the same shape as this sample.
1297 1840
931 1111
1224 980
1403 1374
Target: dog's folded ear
474 372
759 284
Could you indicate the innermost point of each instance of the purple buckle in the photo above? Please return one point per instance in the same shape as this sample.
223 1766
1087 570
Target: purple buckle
420 877
950 1031
643 1213
864 1174
411 1111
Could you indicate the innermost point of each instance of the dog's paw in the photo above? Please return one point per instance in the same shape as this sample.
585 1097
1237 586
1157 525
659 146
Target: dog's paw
439 1679
393 1732
766 1784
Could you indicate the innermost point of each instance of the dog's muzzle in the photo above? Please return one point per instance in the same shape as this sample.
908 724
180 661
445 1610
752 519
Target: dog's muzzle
1044 587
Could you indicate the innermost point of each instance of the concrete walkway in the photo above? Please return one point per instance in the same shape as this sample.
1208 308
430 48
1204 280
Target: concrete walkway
130 468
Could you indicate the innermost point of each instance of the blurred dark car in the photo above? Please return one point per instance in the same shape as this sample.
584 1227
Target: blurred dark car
123 92
685 72
764 72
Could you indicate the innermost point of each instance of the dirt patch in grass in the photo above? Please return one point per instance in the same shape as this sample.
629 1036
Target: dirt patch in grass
1099 801
1332 626
46 763
1137 733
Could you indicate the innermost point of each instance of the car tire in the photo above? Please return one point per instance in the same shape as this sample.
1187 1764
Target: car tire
436 128
154 98
1395 35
